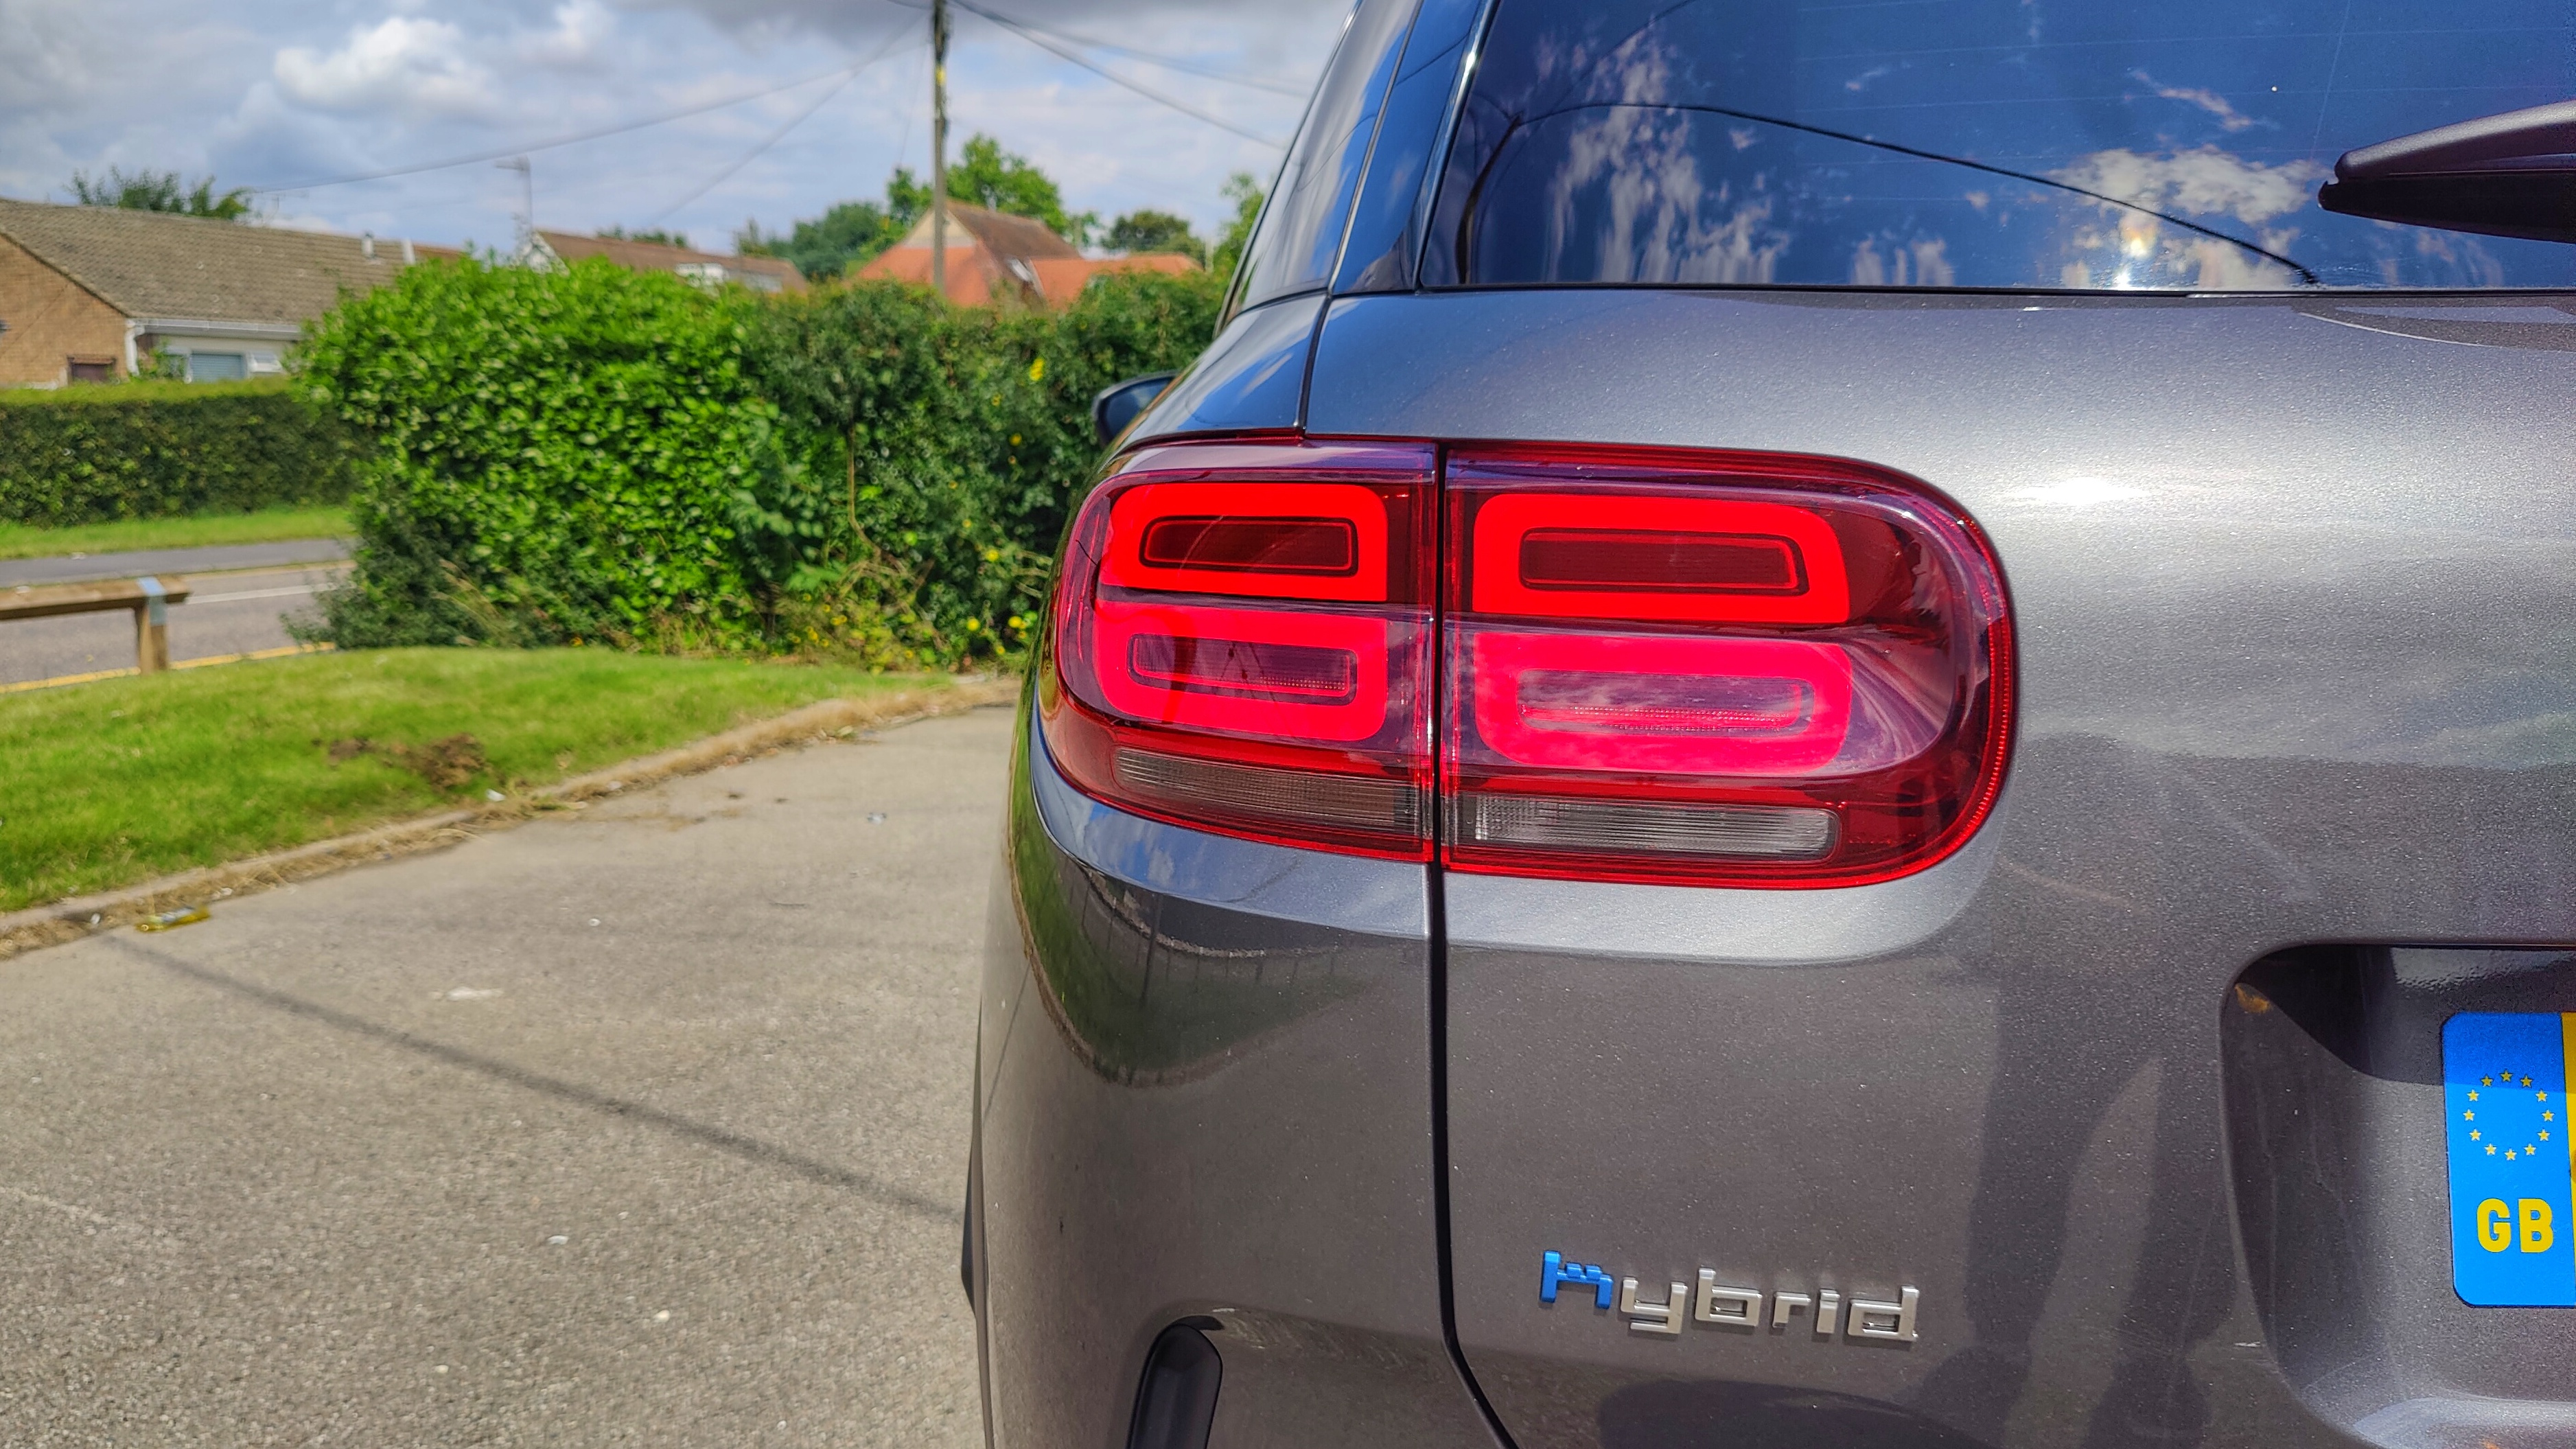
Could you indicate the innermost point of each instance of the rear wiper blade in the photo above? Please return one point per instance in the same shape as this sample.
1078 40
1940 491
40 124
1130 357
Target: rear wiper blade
2506 175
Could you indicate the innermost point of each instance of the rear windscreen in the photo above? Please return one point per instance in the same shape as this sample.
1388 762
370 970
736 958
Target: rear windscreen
2094 145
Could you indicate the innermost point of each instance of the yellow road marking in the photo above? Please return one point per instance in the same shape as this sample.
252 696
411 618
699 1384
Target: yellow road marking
94 676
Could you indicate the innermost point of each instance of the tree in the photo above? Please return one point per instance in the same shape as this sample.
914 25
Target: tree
852 232
990 177
160 191
908 199
1244 190
654 234
847 235
1155 231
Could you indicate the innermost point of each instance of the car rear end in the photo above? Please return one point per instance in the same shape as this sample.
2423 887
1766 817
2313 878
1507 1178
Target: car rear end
1821 727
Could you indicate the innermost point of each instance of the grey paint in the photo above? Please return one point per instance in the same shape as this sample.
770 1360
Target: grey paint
1251 378
1205 1093
2290 584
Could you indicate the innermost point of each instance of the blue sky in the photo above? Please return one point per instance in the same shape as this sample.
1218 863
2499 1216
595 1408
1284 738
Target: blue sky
287 91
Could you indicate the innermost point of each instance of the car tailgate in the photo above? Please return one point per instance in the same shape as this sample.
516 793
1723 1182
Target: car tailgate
2291 581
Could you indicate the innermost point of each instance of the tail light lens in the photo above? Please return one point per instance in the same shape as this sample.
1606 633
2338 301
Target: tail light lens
1739 669
1243 641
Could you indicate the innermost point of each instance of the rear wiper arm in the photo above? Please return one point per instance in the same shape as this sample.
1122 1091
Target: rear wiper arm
2507 175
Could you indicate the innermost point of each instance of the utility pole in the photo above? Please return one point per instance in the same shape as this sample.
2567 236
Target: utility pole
527 201
939 146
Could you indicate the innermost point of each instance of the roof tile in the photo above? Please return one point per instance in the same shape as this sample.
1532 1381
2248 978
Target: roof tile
153 264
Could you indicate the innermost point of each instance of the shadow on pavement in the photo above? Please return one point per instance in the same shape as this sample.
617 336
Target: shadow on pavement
749 1148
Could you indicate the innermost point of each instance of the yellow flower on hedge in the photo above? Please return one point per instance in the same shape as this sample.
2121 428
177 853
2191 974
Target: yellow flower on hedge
992 555
1037 370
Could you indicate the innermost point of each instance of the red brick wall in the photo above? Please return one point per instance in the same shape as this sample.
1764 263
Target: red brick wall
51 321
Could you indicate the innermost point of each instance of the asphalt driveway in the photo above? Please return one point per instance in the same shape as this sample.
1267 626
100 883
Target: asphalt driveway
642 1125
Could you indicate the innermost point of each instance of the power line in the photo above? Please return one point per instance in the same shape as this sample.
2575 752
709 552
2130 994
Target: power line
504 152
1290 89
1174 62
1043 42
773 137
712 182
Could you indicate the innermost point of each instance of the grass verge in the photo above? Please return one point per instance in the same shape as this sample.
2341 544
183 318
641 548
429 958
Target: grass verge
267 525
127 779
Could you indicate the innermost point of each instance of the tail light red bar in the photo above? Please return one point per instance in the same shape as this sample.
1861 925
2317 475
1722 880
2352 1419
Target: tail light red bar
1629 664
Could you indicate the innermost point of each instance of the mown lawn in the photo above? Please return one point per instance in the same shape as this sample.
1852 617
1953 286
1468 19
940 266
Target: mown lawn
108 783
267 525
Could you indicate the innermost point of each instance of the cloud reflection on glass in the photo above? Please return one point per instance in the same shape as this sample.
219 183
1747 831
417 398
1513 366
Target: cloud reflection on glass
2091 145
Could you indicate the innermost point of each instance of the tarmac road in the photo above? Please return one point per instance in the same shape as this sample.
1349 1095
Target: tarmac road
220 558
226 614
646 1125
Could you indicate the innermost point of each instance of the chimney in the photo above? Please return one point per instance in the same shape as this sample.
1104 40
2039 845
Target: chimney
367 245
408 257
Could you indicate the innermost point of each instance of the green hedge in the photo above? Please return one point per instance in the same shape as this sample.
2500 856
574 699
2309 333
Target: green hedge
605 455
78 455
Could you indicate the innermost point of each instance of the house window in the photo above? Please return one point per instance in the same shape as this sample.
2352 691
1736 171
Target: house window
91 369
217 367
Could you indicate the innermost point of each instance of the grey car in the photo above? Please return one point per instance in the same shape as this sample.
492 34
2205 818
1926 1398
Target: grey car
1826 725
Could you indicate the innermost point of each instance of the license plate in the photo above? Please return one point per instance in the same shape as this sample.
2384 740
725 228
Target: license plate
2504 1089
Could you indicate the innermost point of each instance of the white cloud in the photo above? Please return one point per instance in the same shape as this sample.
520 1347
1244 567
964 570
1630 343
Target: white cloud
1922 262
2205 182
417 65
827 15
289 90
581 29
1861 81
49 48
2230 119
2136 248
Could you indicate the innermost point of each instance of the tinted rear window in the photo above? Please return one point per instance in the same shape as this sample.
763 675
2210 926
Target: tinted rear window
2084 144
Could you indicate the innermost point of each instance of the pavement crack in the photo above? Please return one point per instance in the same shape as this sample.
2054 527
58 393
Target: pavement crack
750 1149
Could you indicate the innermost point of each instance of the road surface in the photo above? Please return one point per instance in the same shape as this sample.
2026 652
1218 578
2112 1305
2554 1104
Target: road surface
226 613
220 558
646 1125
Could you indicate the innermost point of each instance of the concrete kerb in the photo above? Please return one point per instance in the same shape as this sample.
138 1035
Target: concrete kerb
818 723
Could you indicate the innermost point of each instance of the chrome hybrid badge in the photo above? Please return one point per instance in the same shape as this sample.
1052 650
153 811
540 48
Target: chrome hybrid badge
1719 1306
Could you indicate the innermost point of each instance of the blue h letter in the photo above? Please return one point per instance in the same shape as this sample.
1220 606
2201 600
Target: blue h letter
1553 1269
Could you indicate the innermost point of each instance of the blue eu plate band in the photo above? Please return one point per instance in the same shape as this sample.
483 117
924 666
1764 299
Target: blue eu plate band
2504 1098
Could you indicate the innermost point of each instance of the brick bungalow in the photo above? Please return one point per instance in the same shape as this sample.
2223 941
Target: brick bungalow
88 292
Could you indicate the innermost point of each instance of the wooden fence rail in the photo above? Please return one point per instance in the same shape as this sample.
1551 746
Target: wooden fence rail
150 598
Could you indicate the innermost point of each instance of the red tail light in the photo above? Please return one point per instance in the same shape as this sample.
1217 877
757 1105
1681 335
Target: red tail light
1243 641
1741 669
